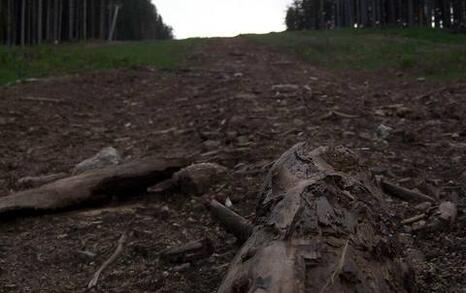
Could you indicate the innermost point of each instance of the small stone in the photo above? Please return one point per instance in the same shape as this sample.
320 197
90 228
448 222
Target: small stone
383 132
108 156
228 203
164 213
448 211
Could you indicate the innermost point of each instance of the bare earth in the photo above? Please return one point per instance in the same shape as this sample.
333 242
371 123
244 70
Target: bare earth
221 107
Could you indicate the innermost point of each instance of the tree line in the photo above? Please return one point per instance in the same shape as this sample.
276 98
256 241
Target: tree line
36 21
318 14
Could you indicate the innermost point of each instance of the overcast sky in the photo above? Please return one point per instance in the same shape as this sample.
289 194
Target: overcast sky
209 18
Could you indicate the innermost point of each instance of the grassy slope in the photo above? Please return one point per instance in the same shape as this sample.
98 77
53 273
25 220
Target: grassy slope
20 63
422 52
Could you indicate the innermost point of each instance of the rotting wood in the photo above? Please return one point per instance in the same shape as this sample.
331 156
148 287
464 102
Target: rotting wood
334 113
403 193
231 221
42 100
36 181
413 219
128 179
311 237
190 251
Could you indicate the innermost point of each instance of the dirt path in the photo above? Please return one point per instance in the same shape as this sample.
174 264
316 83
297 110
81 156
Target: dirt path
235 103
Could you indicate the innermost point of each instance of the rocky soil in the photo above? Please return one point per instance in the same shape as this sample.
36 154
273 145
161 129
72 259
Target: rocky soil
237 104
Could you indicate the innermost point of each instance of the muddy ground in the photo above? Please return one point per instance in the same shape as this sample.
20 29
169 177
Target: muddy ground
221 107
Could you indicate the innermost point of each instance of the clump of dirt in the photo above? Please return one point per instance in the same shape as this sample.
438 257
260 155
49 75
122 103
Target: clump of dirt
237 104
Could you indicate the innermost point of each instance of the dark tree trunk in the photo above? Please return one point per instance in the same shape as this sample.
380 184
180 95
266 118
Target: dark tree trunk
102 19
71 20
410 12
84 19
23 22
48 25
321 226
60 20
39 21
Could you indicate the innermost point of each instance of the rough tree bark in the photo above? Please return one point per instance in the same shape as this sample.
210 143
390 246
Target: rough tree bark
71 20
91 187
321 226
84 19
102 20
23 22
39 22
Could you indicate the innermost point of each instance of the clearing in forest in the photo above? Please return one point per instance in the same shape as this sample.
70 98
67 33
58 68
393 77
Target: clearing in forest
238 102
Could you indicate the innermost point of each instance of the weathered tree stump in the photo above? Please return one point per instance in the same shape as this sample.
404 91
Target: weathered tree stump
93 186
321 226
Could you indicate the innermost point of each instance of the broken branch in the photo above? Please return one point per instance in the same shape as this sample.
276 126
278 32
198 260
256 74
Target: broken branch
193 250
231 221
109 261
404 194
413 219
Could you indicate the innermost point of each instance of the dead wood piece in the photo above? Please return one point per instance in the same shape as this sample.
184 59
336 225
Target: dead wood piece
333 113
413 219
92 187
285 88
36 181
231 221
197 179
312 237
189 252
46 100
404 194
109 261
165 131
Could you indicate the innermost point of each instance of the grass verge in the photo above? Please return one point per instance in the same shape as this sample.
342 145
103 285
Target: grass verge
422 52
18 63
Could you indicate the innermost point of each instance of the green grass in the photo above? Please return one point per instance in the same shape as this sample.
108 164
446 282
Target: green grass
419 52
38 61
429 53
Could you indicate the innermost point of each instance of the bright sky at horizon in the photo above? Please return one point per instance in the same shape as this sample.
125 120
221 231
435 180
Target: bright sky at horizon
222 18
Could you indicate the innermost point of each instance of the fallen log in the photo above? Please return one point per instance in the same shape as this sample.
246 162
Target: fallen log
310 236
92 187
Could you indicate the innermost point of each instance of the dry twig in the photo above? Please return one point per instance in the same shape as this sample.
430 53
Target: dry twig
113 257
